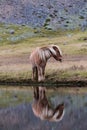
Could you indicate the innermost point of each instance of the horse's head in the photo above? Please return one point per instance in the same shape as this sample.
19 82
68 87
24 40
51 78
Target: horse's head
58 113
56 52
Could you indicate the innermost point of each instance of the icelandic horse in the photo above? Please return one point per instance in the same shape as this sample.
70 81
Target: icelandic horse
39 59
42 109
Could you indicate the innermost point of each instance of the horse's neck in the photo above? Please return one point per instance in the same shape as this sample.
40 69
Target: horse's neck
48 57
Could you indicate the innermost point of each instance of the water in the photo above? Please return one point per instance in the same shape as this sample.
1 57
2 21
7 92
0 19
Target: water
16 109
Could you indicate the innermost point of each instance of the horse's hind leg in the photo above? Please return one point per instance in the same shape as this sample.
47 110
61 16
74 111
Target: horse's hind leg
36 70
43 72
34 73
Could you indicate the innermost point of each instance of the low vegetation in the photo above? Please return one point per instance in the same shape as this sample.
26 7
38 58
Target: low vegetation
18 41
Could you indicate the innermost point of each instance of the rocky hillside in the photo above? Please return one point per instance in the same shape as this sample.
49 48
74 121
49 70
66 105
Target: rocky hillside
54 14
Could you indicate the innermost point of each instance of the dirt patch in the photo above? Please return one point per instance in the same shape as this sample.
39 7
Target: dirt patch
7 60
24 59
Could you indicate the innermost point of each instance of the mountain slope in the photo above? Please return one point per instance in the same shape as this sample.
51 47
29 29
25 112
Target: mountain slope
54 14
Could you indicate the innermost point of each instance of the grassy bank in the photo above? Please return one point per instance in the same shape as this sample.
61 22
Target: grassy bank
55 76
17 42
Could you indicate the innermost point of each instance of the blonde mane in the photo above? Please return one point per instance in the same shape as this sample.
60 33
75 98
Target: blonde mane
58 49
43 54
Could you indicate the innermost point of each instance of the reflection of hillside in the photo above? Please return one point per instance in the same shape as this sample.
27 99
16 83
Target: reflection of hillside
22 118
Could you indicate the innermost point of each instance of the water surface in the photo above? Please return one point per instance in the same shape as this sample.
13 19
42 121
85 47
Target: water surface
16 109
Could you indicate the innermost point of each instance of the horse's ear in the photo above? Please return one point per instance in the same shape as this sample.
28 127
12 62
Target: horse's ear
55 48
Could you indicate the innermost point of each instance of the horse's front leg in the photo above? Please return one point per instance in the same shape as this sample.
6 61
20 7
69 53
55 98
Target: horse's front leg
40 74
42 94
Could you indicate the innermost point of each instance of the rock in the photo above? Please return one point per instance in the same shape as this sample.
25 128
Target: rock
11 31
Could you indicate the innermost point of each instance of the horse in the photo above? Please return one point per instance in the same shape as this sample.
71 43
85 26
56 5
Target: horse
39 58
43 109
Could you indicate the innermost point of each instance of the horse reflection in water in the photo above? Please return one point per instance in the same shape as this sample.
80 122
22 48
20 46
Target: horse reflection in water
39 59
43 109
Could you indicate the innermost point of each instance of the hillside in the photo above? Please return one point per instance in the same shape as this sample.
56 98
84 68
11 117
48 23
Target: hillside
51 14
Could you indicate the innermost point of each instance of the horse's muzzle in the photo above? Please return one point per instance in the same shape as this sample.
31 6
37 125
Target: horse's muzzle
60 60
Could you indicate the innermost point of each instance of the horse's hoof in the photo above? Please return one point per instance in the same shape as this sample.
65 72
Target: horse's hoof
41 79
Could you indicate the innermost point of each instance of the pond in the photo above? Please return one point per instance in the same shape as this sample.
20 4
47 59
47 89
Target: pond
16 111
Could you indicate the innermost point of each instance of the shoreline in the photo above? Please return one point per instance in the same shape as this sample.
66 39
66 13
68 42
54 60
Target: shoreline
30 83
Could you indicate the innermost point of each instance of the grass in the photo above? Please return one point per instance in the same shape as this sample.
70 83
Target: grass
25 39
53 76
67 71
67 75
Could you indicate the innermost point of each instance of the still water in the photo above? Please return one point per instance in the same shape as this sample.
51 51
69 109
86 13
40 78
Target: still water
16 109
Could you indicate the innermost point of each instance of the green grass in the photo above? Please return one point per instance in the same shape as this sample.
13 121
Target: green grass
15 76
51 76
20 34
25 39
66 75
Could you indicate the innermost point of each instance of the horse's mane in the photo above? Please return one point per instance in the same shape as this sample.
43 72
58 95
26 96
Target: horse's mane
57 48
45 52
